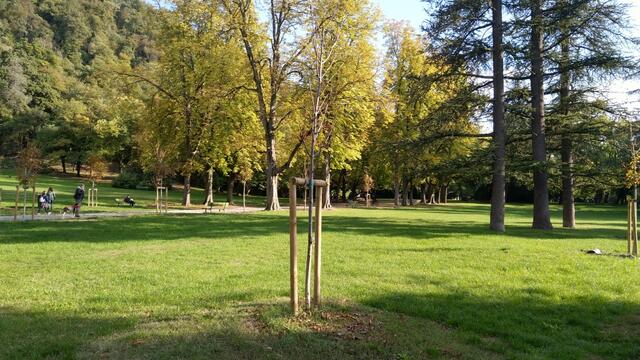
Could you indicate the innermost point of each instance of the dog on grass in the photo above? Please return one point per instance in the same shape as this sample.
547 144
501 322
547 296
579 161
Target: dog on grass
71 209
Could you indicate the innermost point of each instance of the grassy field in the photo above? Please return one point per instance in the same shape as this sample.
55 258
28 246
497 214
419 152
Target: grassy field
64 187
400 284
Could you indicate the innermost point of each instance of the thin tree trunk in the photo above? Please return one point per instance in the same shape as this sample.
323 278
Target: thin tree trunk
496 221
568 201
186 192
209 189
396 191
566 152
423 193
541 215
327 178
244 195
63 159
78 167
446 194
343 185
230 185
272 173
405 191
410 190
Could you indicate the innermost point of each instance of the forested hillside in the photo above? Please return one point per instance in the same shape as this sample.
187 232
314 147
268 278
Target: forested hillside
56 85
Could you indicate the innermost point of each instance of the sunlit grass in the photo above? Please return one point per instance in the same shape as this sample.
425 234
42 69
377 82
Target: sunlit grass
432 282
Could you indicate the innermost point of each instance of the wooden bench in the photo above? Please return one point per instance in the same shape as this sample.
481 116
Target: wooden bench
212 206
121 202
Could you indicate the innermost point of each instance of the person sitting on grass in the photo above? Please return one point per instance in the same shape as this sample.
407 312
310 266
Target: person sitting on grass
128 200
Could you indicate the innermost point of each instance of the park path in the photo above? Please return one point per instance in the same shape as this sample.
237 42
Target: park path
102 215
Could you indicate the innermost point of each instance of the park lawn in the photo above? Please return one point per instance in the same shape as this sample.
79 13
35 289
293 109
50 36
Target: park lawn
65 185
399 284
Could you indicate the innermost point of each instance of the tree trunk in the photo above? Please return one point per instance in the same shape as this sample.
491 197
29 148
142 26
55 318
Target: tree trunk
208 199
396 191
568 201
343 185
78 167
541 215
405 191
272 174
244 195
423 193
443 194
496 221
186 193
411 202
230 185
327 178
63 159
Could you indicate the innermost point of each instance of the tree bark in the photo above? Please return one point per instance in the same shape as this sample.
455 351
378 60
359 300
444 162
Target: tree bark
410 189
327 178
63 159
541 215
423 193
273 203
405 191
343 185
78 167
230 185
496 220
396 191
566 152
186 192
568 201
208 199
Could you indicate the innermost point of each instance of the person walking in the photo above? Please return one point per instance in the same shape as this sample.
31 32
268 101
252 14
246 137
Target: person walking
51 198
78 197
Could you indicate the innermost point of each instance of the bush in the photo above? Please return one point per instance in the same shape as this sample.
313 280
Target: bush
129 180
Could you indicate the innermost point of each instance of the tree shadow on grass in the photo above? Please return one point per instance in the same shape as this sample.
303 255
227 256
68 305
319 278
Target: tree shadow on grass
269 225
530 324
240 331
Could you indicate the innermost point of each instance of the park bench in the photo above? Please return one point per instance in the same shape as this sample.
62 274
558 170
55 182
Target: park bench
212 206
121 202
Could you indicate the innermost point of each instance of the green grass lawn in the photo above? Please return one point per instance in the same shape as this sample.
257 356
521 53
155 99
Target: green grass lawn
65 186
400 284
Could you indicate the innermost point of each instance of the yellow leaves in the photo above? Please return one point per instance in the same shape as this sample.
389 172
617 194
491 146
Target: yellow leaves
632 176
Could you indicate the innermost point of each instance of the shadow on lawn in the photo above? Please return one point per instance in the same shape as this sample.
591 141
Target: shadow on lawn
262 225
530 324
244 331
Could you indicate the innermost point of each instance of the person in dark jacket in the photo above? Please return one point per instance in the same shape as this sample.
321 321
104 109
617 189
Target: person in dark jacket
129 200
78 196
51 198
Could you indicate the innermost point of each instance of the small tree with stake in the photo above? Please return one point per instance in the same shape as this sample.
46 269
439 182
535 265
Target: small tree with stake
367 186
27 164
97 168
633 179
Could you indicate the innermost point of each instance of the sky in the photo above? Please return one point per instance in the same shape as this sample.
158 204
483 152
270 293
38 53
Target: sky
413 12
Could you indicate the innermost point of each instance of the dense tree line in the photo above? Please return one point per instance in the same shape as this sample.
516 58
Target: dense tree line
493 99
